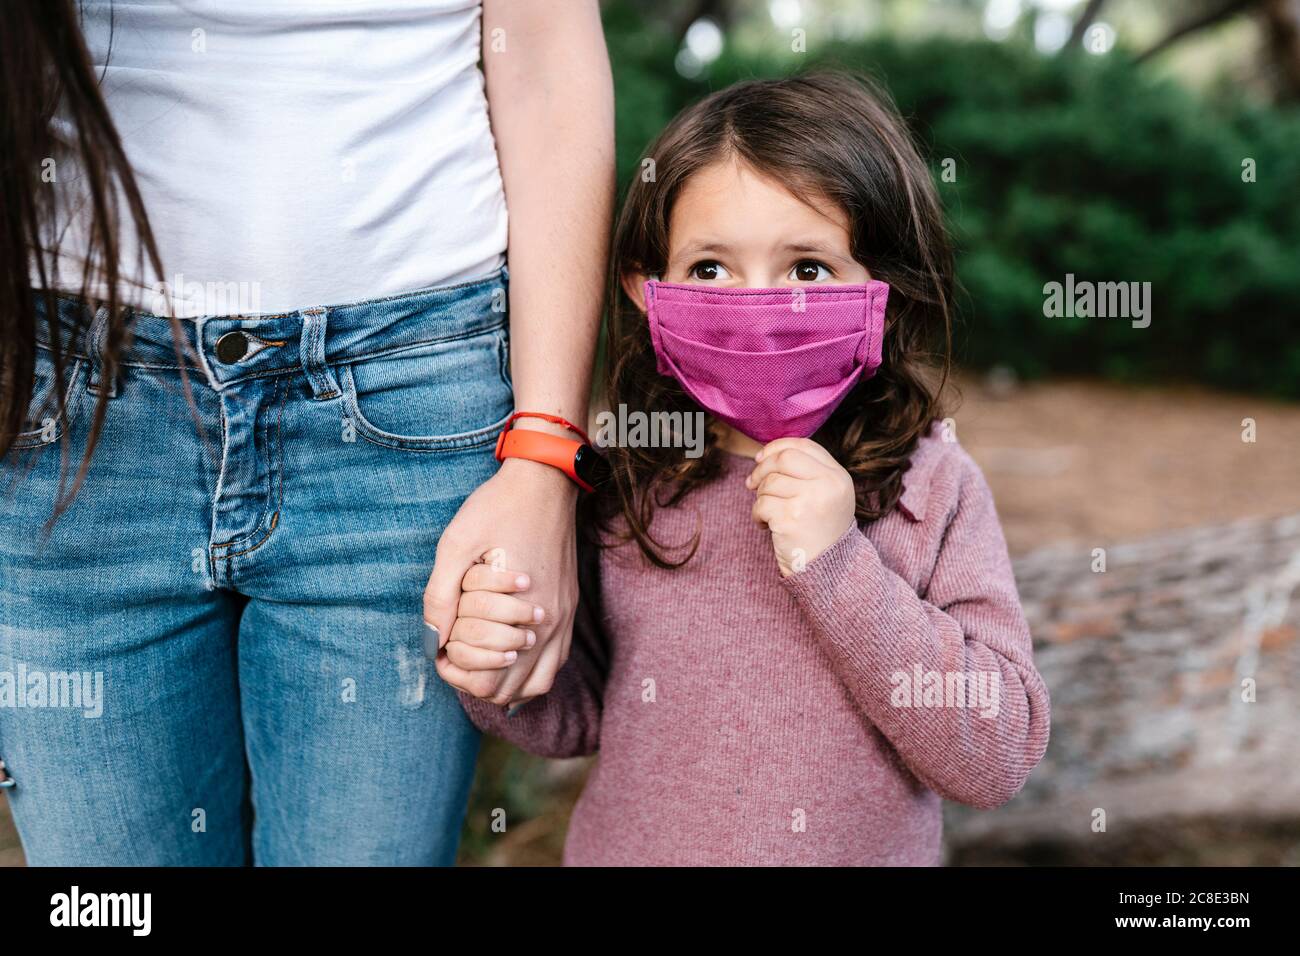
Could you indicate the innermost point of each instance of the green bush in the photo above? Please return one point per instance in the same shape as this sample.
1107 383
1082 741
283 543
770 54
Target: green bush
1068 164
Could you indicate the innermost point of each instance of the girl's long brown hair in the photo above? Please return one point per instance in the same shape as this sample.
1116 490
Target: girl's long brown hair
45 68
827 135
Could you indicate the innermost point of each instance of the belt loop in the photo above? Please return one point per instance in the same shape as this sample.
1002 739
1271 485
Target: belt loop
312 355
95 337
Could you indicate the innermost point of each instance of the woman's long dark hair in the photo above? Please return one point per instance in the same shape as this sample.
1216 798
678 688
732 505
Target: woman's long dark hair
46 69
827 135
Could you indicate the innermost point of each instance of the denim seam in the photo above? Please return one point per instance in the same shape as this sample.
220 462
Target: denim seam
402 349
478 438
275 520
201 353
100 380
275 489
278 477
427 443
461 443
213 557
289 369
73 400
503 362
312 358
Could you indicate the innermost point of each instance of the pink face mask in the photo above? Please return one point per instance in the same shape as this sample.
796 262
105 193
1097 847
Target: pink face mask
771 363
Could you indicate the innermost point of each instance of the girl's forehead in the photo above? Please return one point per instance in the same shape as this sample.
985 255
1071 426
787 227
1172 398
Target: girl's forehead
731 198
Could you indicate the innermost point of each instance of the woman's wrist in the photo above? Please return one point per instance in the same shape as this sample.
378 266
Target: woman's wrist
539 467
532 423
545 476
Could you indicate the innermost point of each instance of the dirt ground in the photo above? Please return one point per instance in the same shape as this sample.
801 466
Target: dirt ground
1097 462
1082 461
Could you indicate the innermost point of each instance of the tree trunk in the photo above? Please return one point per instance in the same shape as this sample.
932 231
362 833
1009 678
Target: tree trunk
1282 31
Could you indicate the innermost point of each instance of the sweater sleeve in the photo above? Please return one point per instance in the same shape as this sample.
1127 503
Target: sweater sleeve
881 637
565 721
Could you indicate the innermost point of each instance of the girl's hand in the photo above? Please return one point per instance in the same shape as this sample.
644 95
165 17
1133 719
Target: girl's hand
492 625
805 497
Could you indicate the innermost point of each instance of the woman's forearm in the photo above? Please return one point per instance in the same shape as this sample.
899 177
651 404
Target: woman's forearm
551 100
551 103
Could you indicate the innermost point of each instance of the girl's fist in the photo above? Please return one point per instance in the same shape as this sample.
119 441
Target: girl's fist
804 496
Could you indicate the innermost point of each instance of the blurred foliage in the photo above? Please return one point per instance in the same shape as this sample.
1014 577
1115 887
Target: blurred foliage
1064 164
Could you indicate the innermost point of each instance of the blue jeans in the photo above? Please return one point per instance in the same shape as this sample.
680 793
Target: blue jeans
215 656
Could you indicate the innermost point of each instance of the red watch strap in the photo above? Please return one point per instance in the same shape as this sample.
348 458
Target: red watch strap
541 447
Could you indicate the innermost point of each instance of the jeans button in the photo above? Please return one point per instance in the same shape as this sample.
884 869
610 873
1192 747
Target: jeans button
232 346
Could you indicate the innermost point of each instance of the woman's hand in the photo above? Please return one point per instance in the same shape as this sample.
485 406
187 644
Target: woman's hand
521 518
805 497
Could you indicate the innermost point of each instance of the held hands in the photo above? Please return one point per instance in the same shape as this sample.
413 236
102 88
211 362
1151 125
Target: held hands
804 496
495 623
524 516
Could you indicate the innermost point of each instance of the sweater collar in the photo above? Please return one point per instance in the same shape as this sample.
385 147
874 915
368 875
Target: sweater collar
920 473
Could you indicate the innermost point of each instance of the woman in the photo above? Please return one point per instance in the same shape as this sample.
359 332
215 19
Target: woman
266 392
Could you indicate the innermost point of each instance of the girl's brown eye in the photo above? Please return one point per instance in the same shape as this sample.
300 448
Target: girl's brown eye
808 271
705 271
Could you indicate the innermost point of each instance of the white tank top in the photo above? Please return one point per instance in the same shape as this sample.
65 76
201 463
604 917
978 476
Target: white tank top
293 153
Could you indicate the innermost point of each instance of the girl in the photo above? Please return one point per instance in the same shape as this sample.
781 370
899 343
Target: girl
802 687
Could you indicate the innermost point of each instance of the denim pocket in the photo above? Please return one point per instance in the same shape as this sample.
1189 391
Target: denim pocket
46 421
442 395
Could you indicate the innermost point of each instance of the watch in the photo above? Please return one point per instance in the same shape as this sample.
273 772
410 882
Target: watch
577 459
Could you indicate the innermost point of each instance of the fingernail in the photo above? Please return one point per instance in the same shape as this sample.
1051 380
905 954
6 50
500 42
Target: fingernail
537 614
759 456
432 641
530 639
511 656
521 582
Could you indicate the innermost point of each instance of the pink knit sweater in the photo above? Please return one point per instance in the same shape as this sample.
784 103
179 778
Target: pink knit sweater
742 718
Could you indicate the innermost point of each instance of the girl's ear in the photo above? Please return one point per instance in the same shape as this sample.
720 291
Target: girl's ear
634 285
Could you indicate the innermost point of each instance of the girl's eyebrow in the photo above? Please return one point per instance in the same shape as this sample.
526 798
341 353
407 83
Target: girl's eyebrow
812 247
701 246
